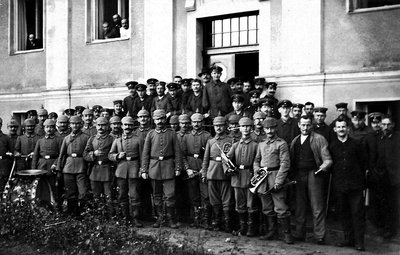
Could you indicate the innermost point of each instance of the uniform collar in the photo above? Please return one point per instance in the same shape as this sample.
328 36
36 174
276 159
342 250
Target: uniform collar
197 132
79 132
220 137
160 130
124 136
49 136
30 135
245 140
271 140
261 132
99 136
144 129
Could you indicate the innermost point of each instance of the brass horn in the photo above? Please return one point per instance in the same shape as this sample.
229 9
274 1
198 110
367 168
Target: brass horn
257 179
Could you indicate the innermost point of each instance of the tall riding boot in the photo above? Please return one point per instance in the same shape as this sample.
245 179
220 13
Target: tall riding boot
348 240
227 220
242 221
125 212
160 214
206 216
287 236
110 207
251 231
171 217
135 217
217 218
196 217
271 229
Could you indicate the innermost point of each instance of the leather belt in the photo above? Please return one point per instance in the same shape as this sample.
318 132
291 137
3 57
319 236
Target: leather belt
245 167
131 158
75 155
161 157
102 162
271 169
196 156
218 159
49 157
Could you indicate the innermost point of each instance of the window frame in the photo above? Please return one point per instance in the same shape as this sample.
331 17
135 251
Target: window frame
353 9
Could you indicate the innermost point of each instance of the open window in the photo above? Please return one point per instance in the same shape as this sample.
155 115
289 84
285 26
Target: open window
372 5
100 12
26 25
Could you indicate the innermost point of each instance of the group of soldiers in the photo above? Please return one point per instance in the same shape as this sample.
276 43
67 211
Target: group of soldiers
207 149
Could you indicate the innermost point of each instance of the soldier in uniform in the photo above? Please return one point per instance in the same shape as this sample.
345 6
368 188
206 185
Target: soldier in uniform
42 117
268 92
341 110
116 130
69 112
297 110
194 101
238 106
25 145
151 87
212 173
88 127
74 167
319 125
96 111
233 128
96 151
12 127
217 94
62 125
53 116
5 154
359 130
186 91
118 110
309 108
161 162
175 99
242 154
143 101
273 154
129 101
287 126
79 110
193 147
161 101
258 133
254 100
45 157
174 123
259 84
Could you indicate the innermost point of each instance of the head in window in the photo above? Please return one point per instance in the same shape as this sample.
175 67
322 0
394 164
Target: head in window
124 23
106 27
117 20
31 38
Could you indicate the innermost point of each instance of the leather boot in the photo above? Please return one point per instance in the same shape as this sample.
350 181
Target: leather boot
227 220
251 231
287 236
243 227
159 213
196 217
73 207
217 218
205 221
125 212
171 217
348 240
110 207
271 228
135 217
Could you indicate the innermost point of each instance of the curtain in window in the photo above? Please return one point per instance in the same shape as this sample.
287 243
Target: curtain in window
22 35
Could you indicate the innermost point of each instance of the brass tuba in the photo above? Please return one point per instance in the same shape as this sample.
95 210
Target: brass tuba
258 178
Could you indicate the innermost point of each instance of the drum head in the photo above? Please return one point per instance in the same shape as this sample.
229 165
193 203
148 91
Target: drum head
30 172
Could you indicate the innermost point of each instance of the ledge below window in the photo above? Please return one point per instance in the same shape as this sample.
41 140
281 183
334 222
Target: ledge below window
100 41
26 51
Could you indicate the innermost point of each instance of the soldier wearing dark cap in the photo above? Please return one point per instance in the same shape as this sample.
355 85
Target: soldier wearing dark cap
106 113
231 82
69 112
151 85
142 101
174 99
161 101
174 123
297 110
5 157
53 116
266 106
309 108
96 152
194 101
45 157
12 127
62 125
238 106
233 128
239 90
258 133
96 111
319 125
259 84
341 110
205 75
74 167
242 154
25 145
287 126
247 86
88 127
118 110
186 91
127 151
129 101
79 110
193 147
212 172
42 116
32 114
268 92
273 154
359 130
216 94
161 162
254 99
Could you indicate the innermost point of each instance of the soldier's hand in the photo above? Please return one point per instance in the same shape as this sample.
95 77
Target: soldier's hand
177 173
121 155
53 167
98 153
190 173
204 179
277 186
145 176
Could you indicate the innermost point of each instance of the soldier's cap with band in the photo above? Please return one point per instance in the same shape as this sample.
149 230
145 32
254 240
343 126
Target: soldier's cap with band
127 120
159 113
87 112
219 120
141 87
172 86
298 105
234 119
30 122
375 117
62 118
216 68
79 109
358 114
69 111
49 122
232 80
174 119
245 121
197 117
341 105
32 112
259 115
143 113
12 123
255 93
102 121
115 119
285 103
270 122
184 118
53 115
320 109
266 101
42 112
75 119
203 71
260 81
161 83
237 98
97 108
152 81
131 84
187 81
271 83
115 102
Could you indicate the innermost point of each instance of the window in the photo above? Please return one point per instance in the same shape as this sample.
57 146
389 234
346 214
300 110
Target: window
102 11
364 5
26 25
231 31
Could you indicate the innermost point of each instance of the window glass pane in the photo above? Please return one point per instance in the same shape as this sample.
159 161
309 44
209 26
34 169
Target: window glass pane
213 41
218 26
252 36
235 24
235 38
218 40
212 27
243 37
226 25
243 23
252 22
226 39
29 22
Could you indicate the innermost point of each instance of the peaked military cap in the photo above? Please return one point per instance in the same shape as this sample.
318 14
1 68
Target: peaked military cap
218 69
204 70
30 122
285 103
298 105
174 119
358 114
152 81
131 84
53 115
245 121
32 112
172 86
375 116
237 98
115 102
141 87
341 105
75 119
49 122
266 101
320 109
69 111
79 109
259 81
162 83
270 122
232 80
187 81
273 84
115 119
254 93
97 108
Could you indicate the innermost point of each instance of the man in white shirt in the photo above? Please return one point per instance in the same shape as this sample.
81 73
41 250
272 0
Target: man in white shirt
125 29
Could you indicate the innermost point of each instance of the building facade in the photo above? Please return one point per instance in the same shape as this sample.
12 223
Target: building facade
316 50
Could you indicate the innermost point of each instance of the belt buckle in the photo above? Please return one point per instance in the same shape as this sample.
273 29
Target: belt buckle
161 158
128 158
100 162
196 155
1 157
241 167
218 159
74 155
47 157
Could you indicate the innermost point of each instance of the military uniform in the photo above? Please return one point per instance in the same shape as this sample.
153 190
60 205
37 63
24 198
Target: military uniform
25 146
161 103
194 103
217 98
288 130
129 102
5 161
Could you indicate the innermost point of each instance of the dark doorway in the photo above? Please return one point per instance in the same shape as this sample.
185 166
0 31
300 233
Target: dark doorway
246 65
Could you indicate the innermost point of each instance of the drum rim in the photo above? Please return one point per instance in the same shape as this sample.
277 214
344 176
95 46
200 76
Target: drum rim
30 172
